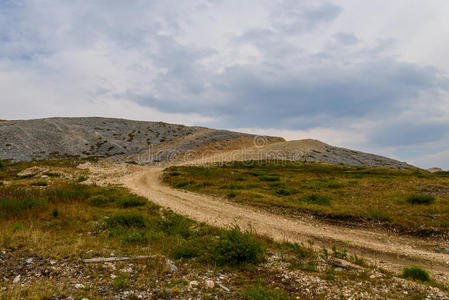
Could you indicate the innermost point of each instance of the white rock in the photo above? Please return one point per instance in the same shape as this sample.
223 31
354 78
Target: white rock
79 286
16 279
29 260
193 283
210 284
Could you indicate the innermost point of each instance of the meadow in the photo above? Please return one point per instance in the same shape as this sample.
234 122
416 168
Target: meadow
410 201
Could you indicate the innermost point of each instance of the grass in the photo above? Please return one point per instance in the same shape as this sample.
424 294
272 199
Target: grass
259 292
420 199
61 220
416 273
356 195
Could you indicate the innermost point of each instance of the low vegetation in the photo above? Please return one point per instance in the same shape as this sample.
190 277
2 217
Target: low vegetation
60 224
416 273
360 195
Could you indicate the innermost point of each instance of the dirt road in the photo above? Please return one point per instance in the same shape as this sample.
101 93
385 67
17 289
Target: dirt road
387 250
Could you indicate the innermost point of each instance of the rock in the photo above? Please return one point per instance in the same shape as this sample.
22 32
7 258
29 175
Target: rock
29 260
210 284
79 286
442 250
16 279
172 266
193 283
224 288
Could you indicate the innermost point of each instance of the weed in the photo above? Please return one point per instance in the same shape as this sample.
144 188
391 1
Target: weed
133 201
98 201
420 199
235 247
379 215
55 213
231 195
136 237
330 274
39 183
186 250
316 199
174 224
339 254
416 273
121 281
128 219
269 178
324 253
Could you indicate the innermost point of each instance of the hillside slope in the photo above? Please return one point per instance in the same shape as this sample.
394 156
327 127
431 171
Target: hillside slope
26 140
150 143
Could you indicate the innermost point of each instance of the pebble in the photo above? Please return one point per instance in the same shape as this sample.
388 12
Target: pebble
210 284
16 279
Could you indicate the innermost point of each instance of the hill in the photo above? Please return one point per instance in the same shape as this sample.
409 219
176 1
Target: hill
149 143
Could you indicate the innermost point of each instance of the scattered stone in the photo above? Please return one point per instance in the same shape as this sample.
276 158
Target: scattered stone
16 279
210 284
224 288
79 286
172 266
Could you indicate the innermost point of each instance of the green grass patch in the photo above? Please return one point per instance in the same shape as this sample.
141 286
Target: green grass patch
235 247
416 273
133 201
420 199
260 292
316 199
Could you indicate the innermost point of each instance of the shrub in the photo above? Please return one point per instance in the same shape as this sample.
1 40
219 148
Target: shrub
98 200
282 191
54 213
420 199
259 292
379 215
174 224
136 237
316 199
130 219
181 184
269 178
121 281
186 250
231 195
132 201
235 247
16 203
1 164
415 273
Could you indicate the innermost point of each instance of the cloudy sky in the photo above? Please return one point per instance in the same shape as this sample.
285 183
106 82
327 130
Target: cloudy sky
369 75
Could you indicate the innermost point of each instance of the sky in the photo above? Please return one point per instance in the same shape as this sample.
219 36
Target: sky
367 75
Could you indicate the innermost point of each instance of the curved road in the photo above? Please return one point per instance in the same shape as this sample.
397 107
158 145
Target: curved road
389 251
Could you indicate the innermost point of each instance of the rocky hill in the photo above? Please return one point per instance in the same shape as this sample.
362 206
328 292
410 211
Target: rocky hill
26 140
158 143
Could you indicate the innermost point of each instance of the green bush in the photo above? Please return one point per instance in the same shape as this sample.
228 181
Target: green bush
231 195
269 178
98 200
174 224
1 164
235 247
132 201
181 184
55 213
121 281
186 250
259 292
415 273
316 199
129 219
420 199
137 237
13 204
